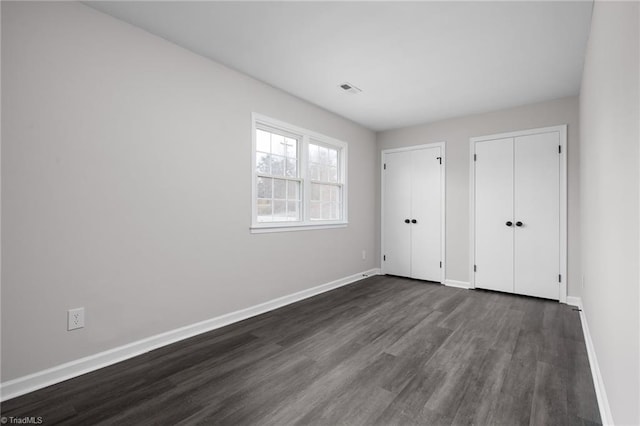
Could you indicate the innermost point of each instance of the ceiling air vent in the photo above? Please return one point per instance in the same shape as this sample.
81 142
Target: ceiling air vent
348 87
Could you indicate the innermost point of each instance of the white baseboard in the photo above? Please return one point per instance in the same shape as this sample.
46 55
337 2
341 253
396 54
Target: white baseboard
598 383
574 301
57 374
457 284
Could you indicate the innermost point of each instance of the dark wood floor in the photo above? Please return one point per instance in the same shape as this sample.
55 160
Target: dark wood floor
381 351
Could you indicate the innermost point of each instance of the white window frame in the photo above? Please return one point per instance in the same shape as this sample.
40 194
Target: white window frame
305 137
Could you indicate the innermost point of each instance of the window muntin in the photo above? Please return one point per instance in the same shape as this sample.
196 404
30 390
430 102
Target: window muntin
299 178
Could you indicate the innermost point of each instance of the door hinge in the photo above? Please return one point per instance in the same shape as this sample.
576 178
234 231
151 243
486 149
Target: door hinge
385 166
475 157
384 257
559 278
439 159
475 268
441 264
559 149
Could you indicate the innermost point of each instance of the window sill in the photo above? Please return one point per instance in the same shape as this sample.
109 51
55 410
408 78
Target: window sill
268 228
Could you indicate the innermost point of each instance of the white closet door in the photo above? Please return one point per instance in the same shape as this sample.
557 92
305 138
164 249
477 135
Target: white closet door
396 210
426 210
493 209
537 207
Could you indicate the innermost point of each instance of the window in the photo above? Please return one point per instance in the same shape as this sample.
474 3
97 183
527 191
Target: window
326 200
299 178
277 178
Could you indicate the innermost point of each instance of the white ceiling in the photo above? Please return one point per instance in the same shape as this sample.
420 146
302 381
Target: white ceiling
414 61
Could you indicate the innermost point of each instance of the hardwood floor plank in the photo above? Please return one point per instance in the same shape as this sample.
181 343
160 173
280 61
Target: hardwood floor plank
359 404
482 395
417 335
396 415
549 405
264 394
460 356
330 385
507 330
418 390
516 394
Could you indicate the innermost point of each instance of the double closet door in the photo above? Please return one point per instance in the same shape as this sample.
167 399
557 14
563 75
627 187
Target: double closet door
518 213
412 212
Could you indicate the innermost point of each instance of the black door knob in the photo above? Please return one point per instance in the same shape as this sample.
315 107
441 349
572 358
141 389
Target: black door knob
407 221
509 223
518 223
414 221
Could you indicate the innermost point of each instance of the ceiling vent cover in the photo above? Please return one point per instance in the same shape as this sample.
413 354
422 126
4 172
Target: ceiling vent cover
350 88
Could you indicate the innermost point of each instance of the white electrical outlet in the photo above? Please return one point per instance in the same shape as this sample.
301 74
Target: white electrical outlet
364 255
75 318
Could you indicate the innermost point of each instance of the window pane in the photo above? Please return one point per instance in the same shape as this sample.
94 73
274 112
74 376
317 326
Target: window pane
333 157
264 187
279 211
277 165
315 210
313 153
325 202
292 148
292 167
314 172
279 189
326 193
276 154
293 210
326 211
315 191
264 211
324 174
263 141
263 163
293 190
334 211
320 192
333 174
323 164
323 154
277 144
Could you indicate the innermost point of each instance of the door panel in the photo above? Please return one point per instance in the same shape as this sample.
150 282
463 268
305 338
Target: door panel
397 208
537 206
493 208
426 210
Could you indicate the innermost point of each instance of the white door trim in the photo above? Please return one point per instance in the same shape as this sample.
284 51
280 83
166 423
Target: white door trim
562 130
443 174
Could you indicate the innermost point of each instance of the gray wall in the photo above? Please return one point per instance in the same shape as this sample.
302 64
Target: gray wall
126 188
609 121
456 133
